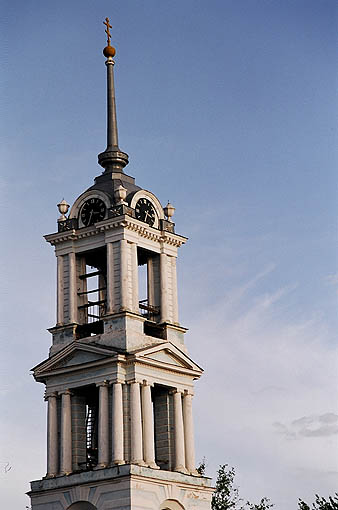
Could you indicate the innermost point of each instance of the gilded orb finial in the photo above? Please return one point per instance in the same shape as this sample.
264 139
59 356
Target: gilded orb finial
108 51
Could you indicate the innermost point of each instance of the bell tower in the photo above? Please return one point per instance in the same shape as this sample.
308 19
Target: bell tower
119 381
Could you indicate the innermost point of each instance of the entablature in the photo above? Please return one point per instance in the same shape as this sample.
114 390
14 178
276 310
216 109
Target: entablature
80 364
114 229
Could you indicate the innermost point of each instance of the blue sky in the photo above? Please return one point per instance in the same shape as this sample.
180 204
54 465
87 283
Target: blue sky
228 109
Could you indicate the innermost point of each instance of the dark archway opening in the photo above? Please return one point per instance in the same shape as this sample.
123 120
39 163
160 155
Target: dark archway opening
82 505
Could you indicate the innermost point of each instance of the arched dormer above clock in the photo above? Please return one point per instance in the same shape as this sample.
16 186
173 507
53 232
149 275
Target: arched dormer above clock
147 207
90 207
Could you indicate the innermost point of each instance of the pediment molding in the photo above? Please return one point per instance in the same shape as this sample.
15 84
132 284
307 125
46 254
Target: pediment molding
74 356
167 356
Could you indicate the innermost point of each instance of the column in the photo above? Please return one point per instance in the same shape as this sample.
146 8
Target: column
66 433
72 288
136 424
179 464
103 429
174 292
164 287
134 265
60 291
148 426
52 436
117 419
110 279
124 274
189 433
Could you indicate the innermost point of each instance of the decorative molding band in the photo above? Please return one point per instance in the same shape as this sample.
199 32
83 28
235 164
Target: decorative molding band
112 224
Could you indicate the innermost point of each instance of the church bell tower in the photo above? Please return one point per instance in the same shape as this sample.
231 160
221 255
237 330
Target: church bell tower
119 381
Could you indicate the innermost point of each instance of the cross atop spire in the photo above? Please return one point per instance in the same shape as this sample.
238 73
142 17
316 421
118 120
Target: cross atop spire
112 159
107 30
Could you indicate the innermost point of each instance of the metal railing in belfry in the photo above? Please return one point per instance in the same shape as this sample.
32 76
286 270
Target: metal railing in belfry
148 311
95 309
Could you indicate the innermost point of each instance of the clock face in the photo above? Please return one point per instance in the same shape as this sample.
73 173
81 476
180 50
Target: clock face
92 211
144 211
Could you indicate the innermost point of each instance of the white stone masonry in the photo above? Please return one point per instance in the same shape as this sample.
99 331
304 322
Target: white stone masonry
66 433
52 436
103 442
117 424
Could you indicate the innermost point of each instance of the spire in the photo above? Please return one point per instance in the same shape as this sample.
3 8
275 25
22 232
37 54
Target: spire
112 159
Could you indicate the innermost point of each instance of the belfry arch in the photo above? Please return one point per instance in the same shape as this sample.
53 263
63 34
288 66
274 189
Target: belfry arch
82 505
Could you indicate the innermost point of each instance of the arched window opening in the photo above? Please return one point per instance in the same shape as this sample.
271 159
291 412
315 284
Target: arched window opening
171 504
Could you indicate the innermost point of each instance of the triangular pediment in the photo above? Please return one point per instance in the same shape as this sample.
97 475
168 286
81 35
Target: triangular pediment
168 355
165 357
74 355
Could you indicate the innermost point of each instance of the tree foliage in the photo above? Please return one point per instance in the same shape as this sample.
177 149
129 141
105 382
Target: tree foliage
320 503
226 495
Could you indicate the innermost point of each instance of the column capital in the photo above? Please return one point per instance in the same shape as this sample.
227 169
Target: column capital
147 383
53 394
189 392
117 381
132 381
176 390
65 392
103 383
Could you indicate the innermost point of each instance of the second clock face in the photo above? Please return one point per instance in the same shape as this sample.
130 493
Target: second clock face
144 211
92 211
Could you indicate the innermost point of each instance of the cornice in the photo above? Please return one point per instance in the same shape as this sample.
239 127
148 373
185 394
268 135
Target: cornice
124 222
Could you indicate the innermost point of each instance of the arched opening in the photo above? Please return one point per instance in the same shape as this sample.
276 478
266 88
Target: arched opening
171 504
82 505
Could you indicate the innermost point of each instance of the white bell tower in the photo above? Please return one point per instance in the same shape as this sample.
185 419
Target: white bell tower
119 381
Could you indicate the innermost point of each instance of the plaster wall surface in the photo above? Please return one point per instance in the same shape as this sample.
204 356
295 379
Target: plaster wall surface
125 487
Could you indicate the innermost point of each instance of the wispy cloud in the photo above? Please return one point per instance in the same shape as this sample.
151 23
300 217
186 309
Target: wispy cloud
270 376
309 426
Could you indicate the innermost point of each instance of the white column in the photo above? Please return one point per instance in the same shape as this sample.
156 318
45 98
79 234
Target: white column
72 288
117 419
52 436
179 464
189 434
134 263
124 274
174 293
110 279
60 291
148 426
66 433
103 436
164 287
136 424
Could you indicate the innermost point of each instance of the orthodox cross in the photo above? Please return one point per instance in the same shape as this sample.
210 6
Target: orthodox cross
107 30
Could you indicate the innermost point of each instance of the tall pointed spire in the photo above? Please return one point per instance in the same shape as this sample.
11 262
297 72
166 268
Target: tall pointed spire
112 159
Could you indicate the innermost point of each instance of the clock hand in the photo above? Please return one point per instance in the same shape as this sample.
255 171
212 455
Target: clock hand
147 214
90 216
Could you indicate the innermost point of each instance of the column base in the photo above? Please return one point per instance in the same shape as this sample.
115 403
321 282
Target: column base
181 469
139 463
194 472
118 462
152 465
102 465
